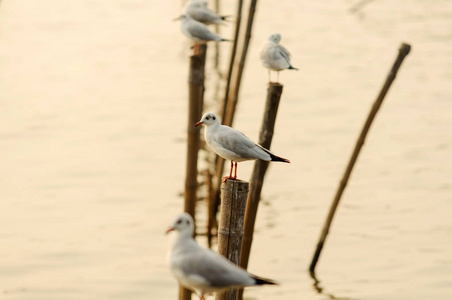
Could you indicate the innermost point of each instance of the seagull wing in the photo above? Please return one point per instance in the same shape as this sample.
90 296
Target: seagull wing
201 32
238 143
215 270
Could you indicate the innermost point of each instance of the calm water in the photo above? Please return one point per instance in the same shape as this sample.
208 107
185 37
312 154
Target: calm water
93 100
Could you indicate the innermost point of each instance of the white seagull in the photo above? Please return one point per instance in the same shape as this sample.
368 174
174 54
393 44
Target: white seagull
197 32
274 56
233 145
203 270
198 10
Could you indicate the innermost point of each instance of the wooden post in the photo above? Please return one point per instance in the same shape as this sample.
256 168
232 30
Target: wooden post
260 167
403 52
195 106
230 232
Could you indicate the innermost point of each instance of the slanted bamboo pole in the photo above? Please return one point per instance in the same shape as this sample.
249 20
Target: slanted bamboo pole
403 52
260 167
231 101
195 106
230 232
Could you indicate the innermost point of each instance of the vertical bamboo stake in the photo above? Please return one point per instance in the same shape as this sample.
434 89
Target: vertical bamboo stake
403 52
195 103
231 101
260 167
230 231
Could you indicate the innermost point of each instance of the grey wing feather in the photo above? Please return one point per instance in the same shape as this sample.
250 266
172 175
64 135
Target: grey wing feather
241 145
285 53
203 33
217 270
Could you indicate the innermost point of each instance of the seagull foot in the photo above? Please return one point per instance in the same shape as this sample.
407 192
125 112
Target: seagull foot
226 178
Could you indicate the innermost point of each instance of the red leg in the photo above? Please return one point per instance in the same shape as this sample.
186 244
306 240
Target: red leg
196 48
230 173
235 173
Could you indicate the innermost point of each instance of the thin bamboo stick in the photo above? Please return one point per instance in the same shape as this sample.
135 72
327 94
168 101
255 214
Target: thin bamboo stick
403 52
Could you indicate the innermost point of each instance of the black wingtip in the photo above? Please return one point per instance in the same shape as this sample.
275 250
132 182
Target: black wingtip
292 68
225 18
277 158
262 281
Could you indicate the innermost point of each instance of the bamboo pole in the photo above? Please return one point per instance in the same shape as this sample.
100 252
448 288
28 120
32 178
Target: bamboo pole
195 106
231 102
403 52
260 167
230 232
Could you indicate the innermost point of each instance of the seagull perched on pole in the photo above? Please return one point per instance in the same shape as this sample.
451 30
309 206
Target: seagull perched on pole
198 10
197 32
200 269
233 145
274 56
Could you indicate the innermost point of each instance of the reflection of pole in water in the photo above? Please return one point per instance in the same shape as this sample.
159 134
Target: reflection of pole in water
403 52
319 289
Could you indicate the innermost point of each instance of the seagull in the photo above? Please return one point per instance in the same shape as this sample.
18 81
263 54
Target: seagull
274 56
198 10
200 269
233 145
197 31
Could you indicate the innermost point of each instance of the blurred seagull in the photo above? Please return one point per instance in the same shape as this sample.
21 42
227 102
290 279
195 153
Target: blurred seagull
274 56
233 145
198 10
197 31
203 270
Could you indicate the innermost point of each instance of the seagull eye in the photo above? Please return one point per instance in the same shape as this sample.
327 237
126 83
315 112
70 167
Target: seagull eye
179 221
213 118
207 118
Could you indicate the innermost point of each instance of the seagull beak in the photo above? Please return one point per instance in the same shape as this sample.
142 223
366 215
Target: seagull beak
169 230
199 123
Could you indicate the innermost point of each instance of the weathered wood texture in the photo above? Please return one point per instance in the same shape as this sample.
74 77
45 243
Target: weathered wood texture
195 107
403 52
230 232
260 167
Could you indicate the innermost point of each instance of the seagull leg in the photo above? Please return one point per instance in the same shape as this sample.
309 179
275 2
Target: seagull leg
235 173
277 77
196 48
202 297
269 76
230 173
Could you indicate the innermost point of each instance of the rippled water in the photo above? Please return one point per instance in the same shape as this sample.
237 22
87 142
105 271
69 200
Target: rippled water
93 100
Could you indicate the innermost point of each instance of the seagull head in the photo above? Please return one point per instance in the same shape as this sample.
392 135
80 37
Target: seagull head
275 38
183 223
208 119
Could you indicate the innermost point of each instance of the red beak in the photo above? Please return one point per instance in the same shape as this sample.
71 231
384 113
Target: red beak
169 230
199 123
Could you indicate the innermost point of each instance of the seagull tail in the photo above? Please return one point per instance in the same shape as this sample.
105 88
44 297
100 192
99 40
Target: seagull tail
272 156
225 40
292 68
262 281
225 18
277 158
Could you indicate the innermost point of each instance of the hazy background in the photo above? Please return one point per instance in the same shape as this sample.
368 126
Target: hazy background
93 96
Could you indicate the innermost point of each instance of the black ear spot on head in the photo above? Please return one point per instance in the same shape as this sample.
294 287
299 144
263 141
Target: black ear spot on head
213 118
